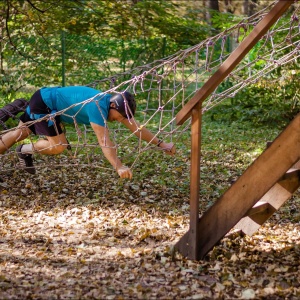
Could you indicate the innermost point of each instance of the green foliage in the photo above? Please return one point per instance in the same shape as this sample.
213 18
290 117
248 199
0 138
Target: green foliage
271 101
104 38
101 38
223 21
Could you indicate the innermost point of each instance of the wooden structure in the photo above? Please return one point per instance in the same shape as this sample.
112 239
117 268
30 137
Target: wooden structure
263 181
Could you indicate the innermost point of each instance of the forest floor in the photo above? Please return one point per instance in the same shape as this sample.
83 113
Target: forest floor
75 234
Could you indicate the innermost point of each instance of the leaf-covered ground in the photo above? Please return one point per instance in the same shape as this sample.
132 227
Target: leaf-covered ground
74 233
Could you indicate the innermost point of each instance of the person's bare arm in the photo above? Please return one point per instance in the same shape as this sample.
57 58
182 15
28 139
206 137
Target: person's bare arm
148 136
109 151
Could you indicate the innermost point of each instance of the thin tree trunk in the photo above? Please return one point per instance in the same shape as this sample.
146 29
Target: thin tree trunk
245 7
251 7
211 5
228 6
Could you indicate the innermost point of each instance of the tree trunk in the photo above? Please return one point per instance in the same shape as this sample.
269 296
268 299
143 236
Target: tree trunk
213 4
251 7
245 10
228 6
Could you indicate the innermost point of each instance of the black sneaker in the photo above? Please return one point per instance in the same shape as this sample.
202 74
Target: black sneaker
25 161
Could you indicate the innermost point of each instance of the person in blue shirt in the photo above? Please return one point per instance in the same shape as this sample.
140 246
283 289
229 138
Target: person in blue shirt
77 105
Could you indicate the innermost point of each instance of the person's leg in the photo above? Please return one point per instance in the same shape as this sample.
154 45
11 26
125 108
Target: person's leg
11 137
52 145
55 141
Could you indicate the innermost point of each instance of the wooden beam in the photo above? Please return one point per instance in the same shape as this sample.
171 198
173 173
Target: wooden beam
255 182
233 60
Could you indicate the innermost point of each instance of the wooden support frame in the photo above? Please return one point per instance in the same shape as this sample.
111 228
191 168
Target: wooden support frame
192 244
254 183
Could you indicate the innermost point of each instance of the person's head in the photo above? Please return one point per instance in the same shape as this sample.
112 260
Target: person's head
124 104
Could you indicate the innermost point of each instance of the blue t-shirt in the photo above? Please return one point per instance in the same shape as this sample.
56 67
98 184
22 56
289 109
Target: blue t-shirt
70 100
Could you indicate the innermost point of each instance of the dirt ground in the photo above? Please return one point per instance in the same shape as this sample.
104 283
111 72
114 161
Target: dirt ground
77 236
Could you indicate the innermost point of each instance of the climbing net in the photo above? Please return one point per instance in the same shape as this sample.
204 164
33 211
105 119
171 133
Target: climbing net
163 87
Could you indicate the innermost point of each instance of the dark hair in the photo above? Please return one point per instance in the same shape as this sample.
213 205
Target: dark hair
122 102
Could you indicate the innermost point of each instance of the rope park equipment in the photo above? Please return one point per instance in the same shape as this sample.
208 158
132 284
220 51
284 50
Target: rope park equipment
171 90
163 87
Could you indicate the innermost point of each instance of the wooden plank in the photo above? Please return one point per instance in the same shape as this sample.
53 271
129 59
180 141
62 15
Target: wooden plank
275 198
249 225
255 217
233 60
255 182
289 182
192 251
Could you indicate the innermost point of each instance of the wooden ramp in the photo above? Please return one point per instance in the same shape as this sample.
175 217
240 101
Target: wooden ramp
253 198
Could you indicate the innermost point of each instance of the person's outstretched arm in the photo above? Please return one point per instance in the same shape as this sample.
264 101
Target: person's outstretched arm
110 152
148 136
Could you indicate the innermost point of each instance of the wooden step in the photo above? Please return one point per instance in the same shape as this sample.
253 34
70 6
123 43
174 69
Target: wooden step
296 166
258 208
269 203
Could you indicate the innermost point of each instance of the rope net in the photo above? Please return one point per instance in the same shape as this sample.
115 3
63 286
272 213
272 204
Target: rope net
163 87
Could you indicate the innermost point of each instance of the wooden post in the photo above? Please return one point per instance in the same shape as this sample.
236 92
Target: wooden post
195 181
189 246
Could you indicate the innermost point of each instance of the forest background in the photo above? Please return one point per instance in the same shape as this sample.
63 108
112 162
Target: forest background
78 42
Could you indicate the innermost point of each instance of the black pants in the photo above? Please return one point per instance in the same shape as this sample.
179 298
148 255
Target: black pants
37 106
